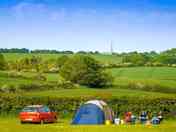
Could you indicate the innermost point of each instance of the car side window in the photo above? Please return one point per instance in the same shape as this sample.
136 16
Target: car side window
44 109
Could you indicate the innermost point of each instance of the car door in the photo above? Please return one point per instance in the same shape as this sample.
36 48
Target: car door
45 114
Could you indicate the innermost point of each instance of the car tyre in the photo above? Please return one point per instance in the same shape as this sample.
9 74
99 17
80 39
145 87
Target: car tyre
55 120
42 122
22 122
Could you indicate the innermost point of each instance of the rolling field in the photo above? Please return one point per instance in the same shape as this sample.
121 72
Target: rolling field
123 76
162 76
13 125
156 76
86 92
101 58
160 73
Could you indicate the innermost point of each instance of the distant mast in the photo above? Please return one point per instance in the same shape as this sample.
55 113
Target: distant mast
111 48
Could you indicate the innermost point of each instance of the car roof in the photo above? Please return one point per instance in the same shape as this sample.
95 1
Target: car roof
35 106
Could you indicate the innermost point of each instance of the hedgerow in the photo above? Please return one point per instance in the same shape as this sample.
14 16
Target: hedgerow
66 106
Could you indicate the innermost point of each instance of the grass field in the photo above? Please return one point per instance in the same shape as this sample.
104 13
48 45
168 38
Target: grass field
101 58
164 76
122 79
13 125
160 73
85 92
156 76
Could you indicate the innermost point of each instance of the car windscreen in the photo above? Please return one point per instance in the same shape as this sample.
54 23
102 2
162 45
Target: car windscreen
29 109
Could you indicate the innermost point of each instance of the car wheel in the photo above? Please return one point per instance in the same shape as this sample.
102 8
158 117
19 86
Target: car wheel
22 122
55 120
42 122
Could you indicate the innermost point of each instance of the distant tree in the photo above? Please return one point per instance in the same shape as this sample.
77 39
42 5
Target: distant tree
166 59
45 51
153 53
135 58
96 52
14 50
82 52
2 62
36 62
61 60
88 52
24 63
171 52
85 70
67 52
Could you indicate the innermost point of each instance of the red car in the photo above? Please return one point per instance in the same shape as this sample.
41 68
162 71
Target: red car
37 114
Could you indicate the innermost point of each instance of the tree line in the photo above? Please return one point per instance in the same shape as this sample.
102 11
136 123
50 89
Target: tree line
165 58
44 51
24 50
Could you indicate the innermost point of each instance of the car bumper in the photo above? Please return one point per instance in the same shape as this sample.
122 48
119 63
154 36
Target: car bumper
34 120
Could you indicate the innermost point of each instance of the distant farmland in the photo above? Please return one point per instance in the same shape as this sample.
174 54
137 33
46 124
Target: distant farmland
134 86
100 57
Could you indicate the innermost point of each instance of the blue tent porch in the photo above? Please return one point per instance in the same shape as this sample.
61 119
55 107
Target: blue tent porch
92 112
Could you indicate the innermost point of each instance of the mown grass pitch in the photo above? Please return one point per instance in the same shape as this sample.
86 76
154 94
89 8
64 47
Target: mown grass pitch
13 125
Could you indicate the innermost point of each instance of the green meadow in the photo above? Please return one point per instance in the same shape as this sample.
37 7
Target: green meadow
100 57
165 77
13 125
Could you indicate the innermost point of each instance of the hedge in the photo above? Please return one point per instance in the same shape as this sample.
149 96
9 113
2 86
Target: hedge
12 104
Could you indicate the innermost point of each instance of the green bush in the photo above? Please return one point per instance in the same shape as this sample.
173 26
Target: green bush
85 70
54 85
2 62
65 84
40 77
6 88
61 60
137 59
13 104
14 74
150 86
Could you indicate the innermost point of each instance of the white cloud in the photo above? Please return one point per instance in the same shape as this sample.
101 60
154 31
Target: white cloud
26 9
57 15
37 11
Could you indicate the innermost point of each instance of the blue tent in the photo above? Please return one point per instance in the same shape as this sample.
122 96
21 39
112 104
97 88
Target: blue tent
90 113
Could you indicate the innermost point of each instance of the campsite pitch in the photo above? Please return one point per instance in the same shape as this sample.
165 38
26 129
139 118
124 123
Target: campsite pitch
13 125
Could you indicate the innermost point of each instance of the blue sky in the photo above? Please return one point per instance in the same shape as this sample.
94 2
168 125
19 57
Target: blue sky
141 25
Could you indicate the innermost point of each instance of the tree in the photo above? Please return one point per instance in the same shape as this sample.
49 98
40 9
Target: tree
36 62
61 60
166 59
14 50
135 58
2 62
171 52
85 70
